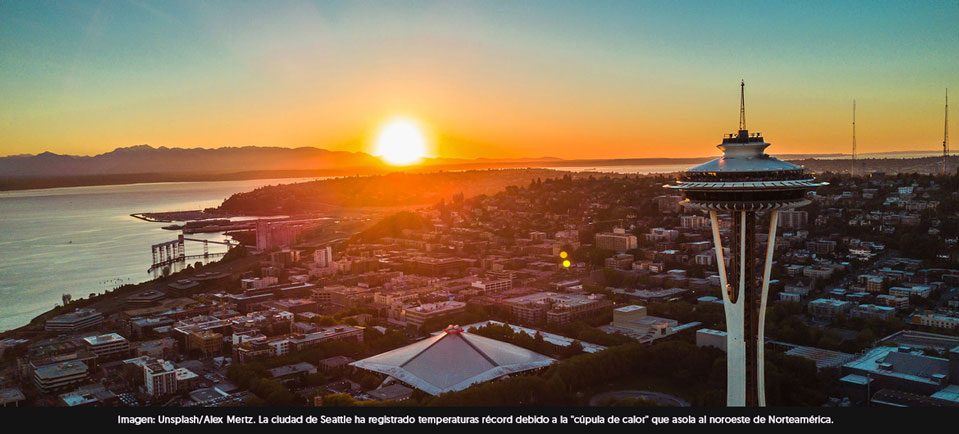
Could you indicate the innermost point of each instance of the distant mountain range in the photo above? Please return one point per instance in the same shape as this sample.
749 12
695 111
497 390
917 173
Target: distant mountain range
147 159
144 163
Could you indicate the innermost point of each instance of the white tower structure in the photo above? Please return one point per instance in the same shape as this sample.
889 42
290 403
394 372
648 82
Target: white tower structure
745 181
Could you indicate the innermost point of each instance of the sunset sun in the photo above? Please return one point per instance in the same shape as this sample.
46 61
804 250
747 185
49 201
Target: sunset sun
401 141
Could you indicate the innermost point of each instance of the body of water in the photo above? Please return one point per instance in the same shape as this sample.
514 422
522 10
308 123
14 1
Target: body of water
82 240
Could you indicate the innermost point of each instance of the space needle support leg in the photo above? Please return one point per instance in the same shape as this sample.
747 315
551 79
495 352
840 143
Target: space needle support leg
735 343
760 344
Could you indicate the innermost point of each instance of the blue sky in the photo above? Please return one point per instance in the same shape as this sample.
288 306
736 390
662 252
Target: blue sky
492 78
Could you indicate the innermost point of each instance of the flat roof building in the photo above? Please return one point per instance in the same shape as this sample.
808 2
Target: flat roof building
11 397
822 357
393 392
159 377
489 286
711 338
88 396
618 241
827 307
932 319
73 321
557 308
59 376
418 315
632 320
902 369
108 346
294 372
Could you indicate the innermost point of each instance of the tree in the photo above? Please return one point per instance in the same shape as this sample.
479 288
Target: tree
574 348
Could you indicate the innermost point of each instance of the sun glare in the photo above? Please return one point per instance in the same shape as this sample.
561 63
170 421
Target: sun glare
401 142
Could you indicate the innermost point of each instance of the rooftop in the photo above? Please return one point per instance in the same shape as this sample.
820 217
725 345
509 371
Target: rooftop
336 361
74 316
298 368
554 298
9 396
949 393
55 370
823 358
104 339
453 360
439 307
896 362
86 395
391 393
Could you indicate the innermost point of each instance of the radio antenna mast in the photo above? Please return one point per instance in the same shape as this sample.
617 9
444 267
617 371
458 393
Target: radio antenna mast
945 136
852 170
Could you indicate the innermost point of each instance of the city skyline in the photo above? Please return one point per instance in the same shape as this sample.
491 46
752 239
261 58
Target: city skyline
491 80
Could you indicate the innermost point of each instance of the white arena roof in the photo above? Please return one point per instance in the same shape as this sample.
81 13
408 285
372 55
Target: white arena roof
453 360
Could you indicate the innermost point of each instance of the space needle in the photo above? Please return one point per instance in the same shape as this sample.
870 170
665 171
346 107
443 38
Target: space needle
745 182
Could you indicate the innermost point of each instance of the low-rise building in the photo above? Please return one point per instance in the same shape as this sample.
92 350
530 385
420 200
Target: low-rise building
74 321
292 373
11 397
901 369
622 261
393 392
556 308
918 291
60 376
790 296
893 301
108 346
872 311
283 345
418 315
711 338
827 307
634 321
490 286
931 319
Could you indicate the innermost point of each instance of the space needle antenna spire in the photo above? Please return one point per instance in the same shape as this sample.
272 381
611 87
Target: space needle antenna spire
852 171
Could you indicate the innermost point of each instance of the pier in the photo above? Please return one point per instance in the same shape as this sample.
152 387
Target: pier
174 251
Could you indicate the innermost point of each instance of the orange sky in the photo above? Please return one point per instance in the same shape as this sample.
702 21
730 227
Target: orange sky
488 79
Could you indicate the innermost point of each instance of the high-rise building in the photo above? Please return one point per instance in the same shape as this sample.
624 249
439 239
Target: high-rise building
745 181
323 257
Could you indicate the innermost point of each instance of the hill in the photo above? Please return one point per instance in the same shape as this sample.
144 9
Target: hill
394 189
